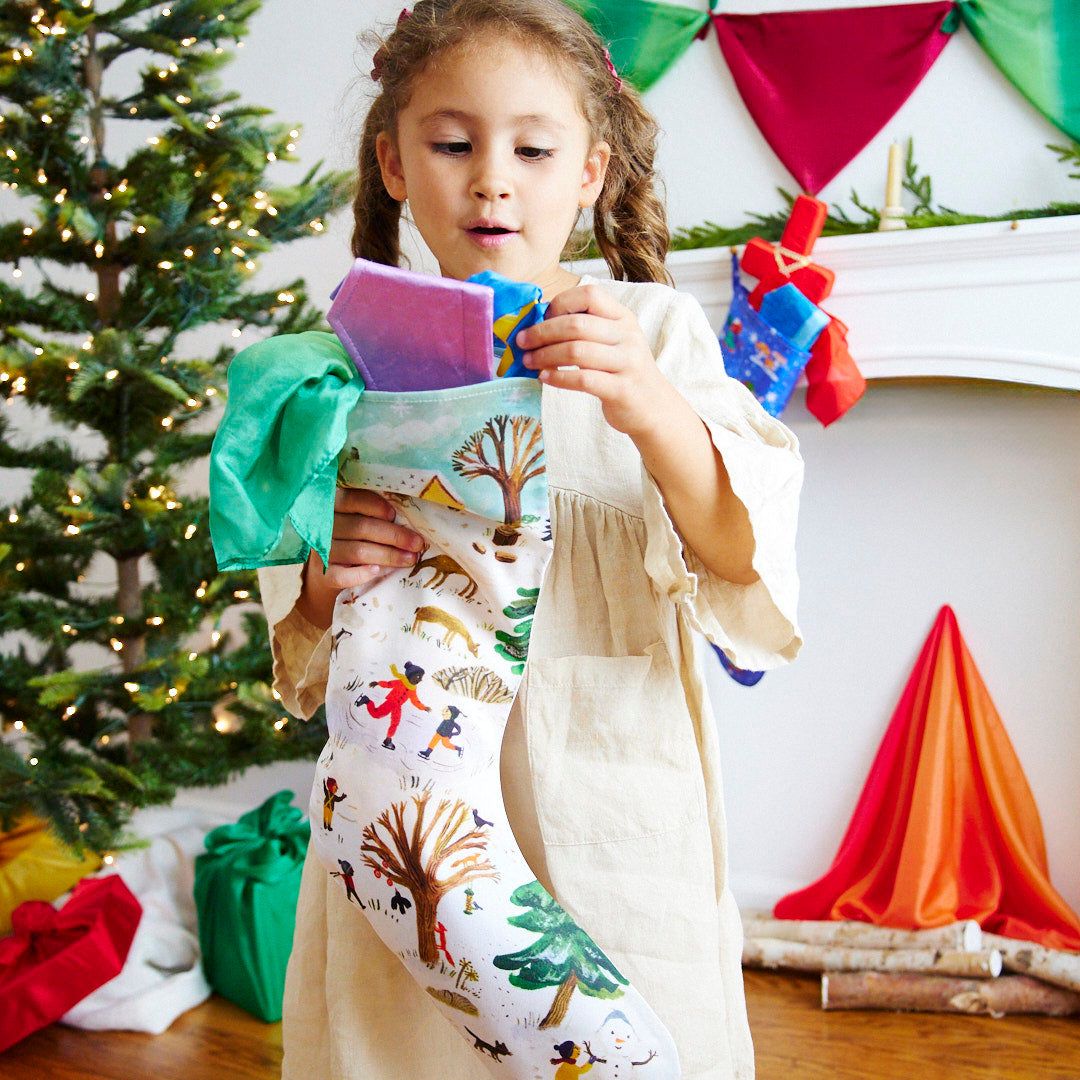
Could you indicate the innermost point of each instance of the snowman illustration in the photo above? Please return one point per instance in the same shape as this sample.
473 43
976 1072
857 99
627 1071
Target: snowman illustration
617 1041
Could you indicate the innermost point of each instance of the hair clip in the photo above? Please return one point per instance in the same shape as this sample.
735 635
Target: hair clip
613 72
378 61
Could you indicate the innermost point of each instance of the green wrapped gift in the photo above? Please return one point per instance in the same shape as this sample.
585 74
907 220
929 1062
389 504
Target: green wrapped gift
246 886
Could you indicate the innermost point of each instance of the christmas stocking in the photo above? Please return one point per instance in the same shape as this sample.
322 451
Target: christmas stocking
406 806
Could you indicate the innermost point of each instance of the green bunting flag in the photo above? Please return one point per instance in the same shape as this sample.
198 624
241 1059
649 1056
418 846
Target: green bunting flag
1036 43
644 38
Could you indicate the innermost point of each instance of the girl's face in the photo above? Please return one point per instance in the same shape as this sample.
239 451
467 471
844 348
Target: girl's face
495 158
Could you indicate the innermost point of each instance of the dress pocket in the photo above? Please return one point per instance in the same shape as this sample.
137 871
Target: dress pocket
612 747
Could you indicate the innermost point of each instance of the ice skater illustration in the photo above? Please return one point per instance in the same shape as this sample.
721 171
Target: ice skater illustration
401 689
445 732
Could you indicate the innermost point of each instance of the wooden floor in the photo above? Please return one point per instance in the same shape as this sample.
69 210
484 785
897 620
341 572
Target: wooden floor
795 1040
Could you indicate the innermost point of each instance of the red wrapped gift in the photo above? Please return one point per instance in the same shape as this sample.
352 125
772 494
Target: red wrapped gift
789 261
53 959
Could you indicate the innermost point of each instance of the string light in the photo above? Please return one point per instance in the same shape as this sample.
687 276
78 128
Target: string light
108 859
18 725
193 656
155 620
72 530
69 712
117 645
200 592
215 637
28 231
166 422
241 594
91 297
131 687
13 517
33 761
279 724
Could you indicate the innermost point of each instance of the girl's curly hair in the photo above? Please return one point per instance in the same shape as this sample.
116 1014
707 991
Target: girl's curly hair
629 221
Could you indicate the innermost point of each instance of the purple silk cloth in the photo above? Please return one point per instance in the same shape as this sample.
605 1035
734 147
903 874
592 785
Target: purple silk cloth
821 84
439 335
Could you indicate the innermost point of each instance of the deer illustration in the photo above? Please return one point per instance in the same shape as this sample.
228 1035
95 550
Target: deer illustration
453 626
443 567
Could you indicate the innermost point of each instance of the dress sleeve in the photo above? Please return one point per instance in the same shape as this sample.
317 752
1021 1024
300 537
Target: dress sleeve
299 649
755 625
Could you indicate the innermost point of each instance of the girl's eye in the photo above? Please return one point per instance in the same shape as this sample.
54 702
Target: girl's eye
452 148
534 153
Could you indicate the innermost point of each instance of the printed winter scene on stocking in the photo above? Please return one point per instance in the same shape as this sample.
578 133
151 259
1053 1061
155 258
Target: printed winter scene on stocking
407 805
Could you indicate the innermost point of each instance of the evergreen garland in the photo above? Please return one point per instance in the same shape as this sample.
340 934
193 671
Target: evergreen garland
925 214
124 257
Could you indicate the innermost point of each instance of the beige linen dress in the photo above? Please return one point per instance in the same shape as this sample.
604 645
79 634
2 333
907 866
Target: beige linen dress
610 766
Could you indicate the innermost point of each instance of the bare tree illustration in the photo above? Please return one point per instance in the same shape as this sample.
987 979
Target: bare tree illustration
413 857
515 457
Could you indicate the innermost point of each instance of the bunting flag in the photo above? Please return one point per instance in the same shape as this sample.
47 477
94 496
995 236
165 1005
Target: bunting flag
1036 44
821 84
644 38
946 827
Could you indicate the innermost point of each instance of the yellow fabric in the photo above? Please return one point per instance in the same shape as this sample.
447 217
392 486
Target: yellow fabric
34 865
612 686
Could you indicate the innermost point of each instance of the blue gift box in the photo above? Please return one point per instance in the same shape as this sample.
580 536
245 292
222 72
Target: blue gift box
798 319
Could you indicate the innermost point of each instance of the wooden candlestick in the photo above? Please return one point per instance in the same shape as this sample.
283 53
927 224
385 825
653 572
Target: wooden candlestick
892 213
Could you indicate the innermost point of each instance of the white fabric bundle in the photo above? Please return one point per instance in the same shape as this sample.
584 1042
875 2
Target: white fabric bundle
163 975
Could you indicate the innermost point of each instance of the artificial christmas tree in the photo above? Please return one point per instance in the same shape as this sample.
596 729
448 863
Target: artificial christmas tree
119 683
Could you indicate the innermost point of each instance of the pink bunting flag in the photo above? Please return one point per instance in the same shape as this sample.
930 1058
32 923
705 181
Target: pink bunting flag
821 84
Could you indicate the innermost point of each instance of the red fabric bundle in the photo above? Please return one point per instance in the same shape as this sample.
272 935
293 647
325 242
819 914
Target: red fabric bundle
834 381
53 959
946 827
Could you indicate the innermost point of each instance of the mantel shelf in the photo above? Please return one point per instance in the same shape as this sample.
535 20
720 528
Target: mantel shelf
991 301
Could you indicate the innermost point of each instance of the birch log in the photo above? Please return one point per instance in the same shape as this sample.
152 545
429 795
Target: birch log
1051 965
955 937
798 956
938 993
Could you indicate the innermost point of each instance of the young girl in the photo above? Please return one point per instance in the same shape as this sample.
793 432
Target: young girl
673 501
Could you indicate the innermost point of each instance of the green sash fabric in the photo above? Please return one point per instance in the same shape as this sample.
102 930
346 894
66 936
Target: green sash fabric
1036 44
273 466
246 887
644 38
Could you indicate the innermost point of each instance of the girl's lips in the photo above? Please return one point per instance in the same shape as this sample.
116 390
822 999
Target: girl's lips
489 240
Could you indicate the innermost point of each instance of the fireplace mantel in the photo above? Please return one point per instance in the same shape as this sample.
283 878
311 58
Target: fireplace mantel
990 301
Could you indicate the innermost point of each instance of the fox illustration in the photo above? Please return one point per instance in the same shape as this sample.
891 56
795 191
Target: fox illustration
498 1051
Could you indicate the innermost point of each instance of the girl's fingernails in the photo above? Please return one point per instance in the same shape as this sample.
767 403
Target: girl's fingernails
527 359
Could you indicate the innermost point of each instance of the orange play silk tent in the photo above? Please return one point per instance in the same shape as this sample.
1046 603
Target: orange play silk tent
946 827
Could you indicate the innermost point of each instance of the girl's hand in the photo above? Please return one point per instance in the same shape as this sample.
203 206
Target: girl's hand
365 541
588 328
